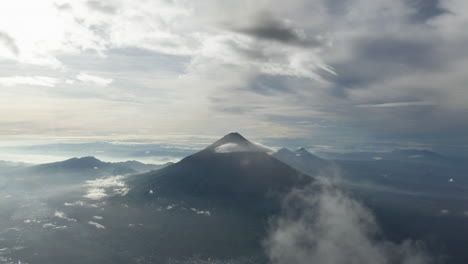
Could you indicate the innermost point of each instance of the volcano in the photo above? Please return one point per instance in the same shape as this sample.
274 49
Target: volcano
231 172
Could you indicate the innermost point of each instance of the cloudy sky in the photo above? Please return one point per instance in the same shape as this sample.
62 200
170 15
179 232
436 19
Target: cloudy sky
337 70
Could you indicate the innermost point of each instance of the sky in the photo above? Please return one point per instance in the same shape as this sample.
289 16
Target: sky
311 70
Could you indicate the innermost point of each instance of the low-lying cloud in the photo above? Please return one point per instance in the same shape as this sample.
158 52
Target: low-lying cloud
322 224
104 187
234 147
94 79
62 215
97 225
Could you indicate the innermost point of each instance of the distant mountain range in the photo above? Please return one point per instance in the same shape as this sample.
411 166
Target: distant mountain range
74 170
301 160
10 164
94 167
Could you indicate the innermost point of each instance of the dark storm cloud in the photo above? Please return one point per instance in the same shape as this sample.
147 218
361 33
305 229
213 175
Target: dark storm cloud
415 121
267 27
425 9
422 10
337 7
409 52
9 42
98 6
269 84
376 59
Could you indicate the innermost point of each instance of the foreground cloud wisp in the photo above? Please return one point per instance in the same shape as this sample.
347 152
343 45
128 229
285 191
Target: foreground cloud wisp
328 226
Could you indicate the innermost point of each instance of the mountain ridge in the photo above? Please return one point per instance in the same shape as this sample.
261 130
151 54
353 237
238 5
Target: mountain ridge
301 160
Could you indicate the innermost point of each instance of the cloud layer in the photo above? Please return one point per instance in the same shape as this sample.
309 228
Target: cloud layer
329 69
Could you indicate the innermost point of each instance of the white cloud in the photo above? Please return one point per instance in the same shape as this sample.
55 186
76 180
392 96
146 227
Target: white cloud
328 226
29 80
104 187
96 194
45 28
397 104
88 78
216 62
201 212
234 147
265 148
80 203
97 225
53 226
444 212
62 215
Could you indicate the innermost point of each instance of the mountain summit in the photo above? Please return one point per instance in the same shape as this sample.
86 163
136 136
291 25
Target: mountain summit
235 142
232 137
301 160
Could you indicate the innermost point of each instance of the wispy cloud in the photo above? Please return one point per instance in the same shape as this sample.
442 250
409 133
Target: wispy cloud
262 66
234 147
9 43
323 224
29 80
398 104
97 225
94 79
62 215
99 6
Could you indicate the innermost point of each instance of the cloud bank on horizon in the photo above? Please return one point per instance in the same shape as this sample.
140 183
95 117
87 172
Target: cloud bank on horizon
332 69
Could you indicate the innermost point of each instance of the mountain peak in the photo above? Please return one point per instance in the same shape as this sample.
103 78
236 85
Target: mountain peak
302 151
83 161
305 153
89 158
235 142
285 151
234 137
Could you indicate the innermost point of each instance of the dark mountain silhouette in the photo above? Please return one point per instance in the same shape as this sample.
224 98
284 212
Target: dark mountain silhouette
242 176
12 164
91 166
240 187
301 160
71 171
